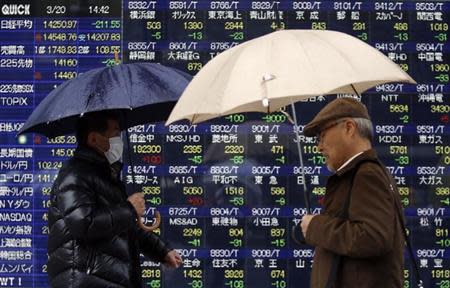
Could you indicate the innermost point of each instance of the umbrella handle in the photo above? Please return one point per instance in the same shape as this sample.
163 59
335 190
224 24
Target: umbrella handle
152 227
294 233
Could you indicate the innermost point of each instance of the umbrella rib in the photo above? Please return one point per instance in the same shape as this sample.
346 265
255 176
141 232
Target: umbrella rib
125 83
354 89
91 95
94 91
307 57
335 48
217 76
349 62
233 68
202 102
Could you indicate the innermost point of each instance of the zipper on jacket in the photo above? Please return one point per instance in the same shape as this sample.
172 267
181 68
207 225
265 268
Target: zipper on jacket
89 261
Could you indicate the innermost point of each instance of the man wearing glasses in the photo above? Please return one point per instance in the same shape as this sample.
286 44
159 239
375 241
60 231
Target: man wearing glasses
358 237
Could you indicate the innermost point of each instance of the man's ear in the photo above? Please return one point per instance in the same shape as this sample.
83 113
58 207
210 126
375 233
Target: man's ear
351 127
98 142
92 139
95 141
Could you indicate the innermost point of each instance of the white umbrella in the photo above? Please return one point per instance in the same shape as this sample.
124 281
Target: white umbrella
270 72
278 69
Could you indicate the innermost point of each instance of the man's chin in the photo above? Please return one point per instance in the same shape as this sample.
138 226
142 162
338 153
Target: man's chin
331 169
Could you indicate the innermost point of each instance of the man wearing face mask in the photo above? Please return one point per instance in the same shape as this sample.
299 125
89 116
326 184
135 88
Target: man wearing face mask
94 240
358 236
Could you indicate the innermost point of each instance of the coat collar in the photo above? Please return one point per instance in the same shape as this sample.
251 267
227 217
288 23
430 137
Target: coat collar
90 155
370 154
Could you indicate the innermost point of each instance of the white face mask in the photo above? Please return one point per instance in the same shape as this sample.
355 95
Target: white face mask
115 151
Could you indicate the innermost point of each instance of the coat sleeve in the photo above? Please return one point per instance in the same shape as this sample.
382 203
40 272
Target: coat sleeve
369 231
76 203
152 246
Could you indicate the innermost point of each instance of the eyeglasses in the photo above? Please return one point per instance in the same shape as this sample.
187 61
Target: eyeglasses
319 136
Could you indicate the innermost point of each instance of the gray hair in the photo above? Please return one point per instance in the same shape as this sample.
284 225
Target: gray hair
365 128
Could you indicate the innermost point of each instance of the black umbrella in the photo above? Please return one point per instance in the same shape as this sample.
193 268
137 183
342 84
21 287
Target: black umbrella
145 92
142 92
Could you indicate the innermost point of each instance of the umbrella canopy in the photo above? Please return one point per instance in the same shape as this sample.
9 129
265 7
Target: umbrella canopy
146 92
267 73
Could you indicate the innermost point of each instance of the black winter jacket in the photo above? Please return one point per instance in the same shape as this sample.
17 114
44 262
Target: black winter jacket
94 240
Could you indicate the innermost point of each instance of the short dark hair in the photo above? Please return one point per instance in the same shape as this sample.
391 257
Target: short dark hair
94 122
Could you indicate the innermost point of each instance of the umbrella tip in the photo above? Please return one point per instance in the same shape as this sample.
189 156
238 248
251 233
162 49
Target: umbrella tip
268 77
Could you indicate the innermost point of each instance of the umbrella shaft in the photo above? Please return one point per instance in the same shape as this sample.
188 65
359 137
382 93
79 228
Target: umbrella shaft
130 157
300 156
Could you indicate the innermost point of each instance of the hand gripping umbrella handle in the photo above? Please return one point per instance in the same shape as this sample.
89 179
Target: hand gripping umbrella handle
298 239
152 227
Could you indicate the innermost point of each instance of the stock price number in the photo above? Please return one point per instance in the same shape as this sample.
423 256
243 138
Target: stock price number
97 9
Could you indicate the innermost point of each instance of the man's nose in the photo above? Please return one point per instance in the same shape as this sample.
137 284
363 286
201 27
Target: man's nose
320 146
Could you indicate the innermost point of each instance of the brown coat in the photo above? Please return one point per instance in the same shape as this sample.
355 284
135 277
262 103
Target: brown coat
371 239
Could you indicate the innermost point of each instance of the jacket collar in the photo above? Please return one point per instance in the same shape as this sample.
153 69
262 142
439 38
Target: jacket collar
370 154
90 155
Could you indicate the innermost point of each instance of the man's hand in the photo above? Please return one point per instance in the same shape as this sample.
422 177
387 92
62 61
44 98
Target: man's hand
138 202
305 223
173 259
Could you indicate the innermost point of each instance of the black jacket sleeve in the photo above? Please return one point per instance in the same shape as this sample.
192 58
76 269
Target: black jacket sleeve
152 246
